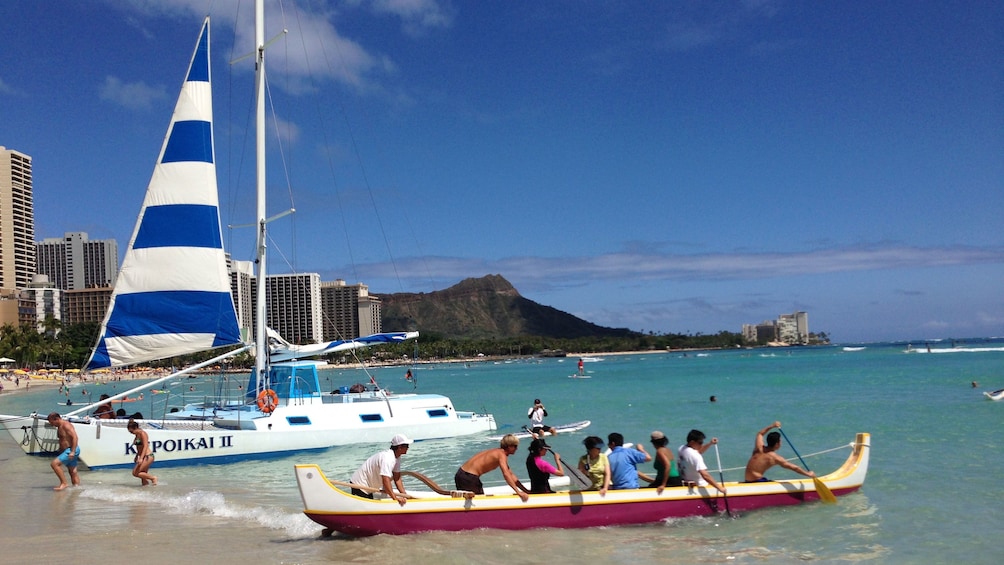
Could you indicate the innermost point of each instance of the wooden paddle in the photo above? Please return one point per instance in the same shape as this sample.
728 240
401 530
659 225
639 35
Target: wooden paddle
721 479
577 480
825 494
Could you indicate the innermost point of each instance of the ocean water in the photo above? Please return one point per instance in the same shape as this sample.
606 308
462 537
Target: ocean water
937 466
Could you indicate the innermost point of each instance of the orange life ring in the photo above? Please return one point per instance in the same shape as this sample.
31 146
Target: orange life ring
267 400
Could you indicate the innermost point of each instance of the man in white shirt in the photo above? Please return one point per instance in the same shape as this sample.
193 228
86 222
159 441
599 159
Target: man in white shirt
537 413
690 459
381 469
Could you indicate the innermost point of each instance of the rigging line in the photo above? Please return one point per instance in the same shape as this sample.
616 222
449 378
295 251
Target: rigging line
362 167
234 178
323 127
282 157
838 448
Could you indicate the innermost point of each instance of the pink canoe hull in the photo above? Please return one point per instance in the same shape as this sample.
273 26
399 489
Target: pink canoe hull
339 511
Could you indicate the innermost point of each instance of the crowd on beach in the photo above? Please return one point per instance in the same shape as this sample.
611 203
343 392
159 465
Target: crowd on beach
64 378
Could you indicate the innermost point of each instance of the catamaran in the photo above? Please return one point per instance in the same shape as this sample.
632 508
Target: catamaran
172 297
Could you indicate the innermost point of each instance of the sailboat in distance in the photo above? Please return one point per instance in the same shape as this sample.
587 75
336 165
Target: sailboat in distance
172 297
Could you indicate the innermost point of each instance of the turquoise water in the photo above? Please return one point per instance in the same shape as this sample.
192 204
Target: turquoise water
930 497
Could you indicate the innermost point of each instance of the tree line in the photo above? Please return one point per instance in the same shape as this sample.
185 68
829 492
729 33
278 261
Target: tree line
69 346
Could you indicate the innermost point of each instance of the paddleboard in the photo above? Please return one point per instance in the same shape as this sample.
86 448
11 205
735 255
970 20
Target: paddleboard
627 445
579 377
564 428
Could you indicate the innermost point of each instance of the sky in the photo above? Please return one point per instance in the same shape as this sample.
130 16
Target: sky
677 166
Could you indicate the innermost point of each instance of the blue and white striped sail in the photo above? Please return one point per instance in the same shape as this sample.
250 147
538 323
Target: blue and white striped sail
172 295
282 350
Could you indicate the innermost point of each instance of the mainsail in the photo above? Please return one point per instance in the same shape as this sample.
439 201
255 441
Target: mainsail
172 295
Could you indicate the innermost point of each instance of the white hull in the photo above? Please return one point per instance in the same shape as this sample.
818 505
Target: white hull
995 395
309 424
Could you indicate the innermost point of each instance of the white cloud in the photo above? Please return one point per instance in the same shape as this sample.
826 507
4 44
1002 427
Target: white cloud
652 265
417 16
135 96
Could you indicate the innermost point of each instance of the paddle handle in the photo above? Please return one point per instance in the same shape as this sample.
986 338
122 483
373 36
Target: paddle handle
721 477
785 436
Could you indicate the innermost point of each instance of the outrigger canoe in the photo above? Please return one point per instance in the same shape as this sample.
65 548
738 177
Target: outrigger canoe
339 511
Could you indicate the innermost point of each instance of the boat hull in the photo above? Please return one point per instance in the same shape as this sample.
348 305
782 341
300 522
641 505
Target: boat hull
312 425
340 511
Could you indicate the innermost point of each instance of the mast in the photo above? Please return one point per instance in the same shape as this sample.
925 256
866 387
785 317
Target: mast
261 339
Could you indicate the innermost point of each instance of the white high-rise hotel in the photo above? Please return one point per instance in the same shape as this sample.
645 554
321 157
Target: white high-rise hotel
17 220
17 231
74 262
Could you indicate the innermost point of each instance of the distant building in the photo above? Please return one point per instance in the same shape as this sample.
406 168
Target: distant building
9 307
790 329
294 307
242 290
794 328
85 305
39 303
74 262
17 221
349 310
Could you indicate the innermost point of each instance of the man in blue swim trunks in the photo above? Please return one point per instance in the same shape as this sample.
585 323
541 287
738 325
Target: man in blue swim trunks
765 456
69 451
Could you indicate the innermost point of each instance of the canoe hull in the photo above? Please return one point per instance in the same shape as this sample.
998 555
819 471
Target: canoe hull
339 511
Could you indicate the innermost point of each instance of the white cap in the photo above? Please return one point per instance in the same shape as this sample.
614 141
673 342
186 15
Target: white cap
400 439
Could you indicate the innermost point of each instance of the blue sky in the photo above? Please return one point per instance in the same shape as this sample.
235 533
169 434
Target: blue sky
661 166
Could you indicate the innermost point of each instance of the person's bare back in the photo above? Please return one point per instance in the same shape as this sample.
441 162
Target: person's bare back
765 456
759 463
486 461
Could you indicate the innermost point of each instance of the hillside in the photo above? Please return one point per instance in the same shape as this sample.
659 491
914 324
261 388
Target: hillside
484 307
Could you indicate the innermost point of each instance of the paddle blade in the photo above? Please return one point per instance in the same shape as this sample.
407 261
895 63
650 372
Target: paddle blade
825 494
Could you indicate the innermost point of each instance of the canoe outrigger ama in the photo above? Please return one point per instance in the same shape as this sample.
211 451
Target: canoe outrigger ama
338 510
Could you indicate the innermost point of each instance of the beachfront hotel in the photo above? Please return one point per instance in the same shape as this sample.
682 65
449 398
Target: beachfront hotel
17 220
349 310
75 262
789 329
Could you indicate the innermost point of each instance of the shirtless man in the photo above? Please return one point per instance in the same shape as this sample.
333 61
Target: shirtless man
104 410
468 476
765 456
69 451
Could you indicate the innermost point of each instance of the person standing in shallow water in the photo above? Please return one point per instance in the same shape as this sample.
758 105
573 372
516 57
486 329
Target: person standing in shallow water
69 451
144 454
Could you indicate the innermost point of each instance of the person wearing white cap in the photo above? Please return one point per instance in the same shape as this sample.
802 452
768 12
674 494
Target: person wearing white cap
381 469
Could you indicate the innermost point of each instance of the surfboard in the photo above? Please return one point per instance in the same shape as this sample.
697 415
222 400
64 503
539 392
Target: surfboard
627 445
564 428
